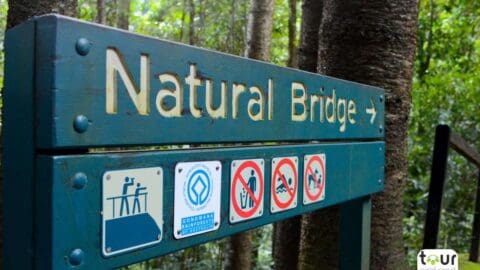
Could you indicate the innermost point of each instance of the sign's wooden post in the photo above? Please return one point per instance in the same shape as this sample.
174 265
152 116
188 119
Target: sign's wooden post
71 86
355 219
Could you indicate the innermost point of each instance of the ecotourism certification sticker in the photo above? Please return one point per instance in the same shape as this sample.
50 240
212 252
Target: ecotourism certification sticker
437 259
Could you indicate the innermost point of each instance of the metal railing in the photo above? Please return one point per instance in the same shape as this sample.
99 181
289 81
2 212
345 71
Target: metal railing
445 138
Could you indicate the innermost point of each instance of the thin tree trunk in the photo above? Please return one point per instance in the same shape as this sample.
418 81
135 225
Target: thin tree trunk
312 11
231 34
21 10
182 26
101 17
317 243
319 240
259 30
287 233
259 35
191 26
292 34
373 42
238 256
123 14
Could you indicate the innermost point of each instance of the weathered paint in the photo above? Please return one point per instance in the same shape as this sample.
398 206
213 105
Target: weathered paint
70 219
18 148
61 96
154 91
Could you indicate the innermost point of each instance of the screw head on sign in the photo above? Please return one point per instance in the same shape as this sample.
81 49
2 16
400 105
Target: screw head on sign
83 46
81 123
381 98
380 181
380 129
79 180
76 257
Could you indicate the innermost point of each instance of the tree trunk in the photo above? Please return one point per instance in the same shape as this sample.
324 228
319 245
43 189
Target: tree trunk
239 252
21 10
292 34
259 35
316 245
191 25
259 29
101 17
286 243
308 48
373 42
123 14
319 240
18 12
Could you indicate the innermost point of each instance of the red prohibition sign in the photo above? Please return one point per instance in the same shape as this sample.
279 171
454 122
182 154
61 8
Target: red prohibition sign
239 178
321 186
277 174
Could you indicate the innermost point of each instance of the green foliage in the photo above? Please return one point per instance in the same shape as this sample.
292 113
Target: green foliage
446 90
465 264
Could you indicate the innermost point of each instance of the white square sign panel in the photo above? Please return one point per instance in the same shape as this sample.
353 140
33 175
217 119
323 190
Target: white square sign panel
247 185
132 209
284 184
314 178
197 198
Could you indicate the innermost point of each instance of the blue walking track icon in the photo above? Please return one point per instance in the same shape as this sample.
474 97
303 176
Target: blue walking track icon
131 225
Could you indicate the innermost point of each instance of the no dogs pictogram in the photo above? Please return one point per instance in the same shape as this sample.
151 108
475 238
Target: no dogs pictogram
284 184
246 189
314 178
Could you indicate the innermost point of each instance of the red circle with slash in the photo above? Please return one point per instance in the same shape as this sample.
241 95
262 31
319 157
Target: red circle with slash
239 178
320 186
288 163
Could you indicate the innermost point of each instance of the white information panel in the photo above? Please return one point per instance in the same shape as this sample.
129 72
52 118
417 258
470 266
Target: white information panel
247 184
132 209
284 184
314 178
197 198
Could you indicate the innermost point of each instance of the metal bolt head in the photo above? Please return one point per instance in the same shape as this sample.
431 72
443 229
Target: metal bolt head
81 123
381 98
380 129
79 180
76 257
83 46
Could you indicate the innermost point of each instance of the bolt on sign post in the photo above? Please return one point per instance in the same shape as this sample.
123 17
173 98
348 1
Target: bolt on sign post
72 85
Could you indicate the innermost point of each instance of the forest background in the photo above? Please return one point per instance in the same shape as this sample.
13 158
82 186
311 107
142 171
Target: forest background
446 90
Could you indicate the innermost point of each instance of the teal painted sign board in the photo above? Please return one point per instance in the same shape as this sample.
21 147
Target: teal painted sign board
72 85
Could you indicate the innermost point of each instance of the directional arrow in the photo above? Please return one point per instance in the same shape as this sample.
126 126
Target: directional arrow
372 111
